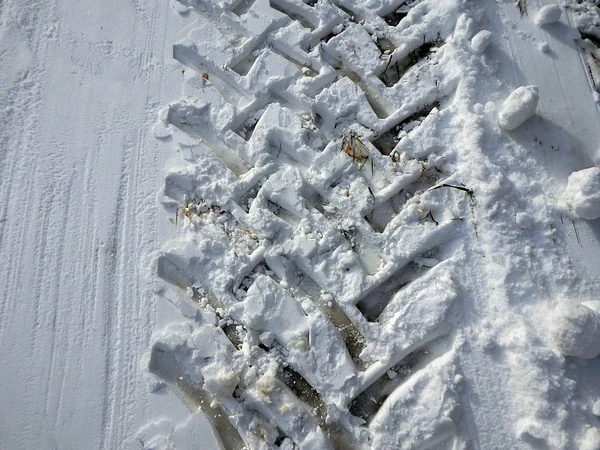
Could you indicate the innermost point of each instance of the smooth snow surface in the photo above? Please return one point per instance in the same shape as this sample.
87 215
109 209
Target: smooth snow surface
518 107
300 224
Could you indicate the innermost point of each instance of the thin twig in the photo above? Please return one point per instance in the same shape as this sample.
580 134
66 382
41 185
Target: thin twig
576 232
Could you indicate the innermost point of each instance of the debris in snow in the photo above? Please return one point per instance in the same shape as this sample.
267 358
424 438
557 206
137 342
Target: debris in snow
548 14
596 408
583 193
481 40
576 330
518 107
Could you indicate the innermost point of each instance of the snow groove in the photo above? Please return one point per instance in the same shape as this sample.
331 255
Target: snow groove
308 238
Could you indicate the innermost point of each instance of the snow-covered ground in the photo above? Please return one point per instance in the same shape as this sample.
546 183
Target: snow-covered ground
79 170
349 224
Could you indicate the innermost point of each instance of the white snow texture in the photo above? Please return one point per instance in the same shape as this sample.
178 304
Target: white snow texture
548 14
299 225
576 330
519 106
583 193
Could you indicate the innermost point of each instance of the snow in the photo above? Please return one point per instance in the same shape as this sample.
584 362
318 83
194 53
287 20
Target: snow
586 17
544 47
548 14
519 106
304 231
576 330
481 41
583 193
79 170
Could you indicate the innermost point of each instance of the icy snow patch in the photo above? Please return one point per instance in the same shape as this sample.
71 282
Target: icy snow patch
576 330
583 193
518 107
548 14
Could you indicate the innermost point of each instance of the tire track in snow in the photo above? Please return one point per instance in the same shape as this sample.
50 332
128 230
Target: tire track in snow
114 284
196 121
128 220
62 210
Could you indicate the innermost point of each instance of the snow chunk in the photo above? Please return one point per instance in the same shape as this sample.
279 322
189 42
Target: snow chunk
583 193
481 40
532 432
548 14
524 220
268 308
591 440
221 382
576 330
544 47
518 107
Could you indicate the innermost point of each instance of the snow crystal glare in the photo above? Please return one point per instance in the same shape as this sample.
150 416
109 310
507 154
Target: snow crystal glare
518 107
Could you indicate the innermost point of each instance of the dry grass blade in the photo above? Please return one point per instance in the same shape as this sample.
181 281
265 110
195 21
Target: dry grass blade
357 150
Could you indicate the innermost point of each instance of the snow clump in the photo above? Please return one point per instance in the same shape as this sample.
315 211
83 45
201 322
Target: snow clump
583 193
576 330
518 107
548 14
481 40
